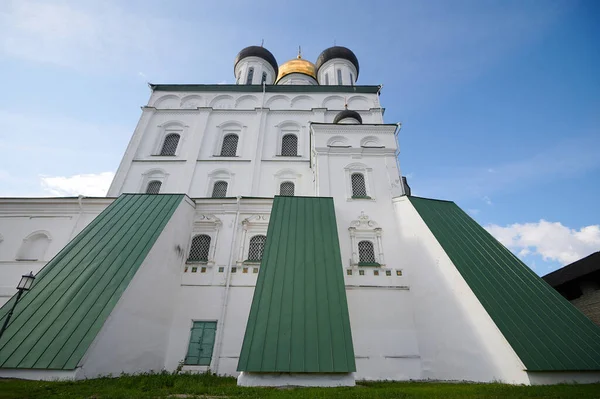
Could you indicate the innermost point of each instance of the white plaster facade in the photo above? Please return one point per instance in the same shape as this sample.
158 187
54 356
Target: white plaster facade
396 310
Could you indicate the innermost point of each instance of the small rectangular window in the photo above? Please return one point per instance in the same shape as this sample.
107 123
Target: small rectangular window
233 269
245 270
202 340
185 270
250 76
349 272
388 272
361 272
221 269
339 76
398 272
194 269
255 270
376 272
203 269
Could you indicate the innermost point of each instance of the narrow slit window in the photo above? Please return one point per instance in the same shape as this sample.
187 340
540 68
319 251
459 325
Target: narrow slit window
339 76
286 189
153 187
358 185
257 247
219 189
250 76
366 252
351 79
170 144
289 145
229 147
264 78
327 79
200 248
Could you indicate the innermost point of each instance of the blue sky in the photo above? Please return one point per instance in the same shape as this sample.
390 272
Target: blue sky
499 100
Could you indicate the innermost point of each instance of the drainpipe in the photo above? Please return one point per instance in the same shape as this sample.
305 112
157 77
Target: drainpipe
221 321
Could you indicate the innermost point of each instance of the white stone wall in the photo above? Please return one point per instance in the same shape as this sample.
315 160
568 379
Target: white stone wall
60 219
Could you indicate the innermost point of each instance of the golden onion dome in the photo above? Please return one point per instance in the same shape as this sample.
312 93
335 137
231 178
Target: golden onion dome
297 65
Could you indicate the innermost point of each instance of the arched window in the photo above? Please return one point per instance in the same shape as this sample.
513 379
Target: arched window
200 248
289 145
264 78
219 189
250 76
366 252
257 247
229 147
339 76
34 247
287 188
170 144
327 79
153 187
358 185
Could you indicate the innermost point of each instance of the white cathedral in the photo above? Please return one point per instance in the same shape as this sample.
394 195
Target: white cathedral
263 230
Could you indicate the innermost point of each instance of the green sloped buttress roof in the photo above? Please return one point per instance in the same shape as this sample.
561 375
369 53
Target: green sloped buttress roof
543 328
56 321
299 320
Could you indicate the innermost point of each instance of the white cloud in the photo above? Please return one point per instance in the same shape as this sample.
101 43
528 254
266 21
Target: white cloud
551 240
92 185
487 200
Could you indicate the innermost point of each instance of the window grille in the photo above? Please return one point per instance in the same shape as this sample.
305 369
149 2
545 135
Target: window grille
257 247
229 148
220 189
358 185
199 249
289 145
366 253
264 78
153 187
339 76
170 144
250 76
286 188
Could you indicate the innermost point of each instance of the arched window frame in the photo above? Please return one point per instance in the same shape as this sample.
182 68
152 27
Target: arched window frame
253 244
229 139
288 137
286 184
169 152
230 127
254 225
210 225
151 187
287 175
199 238
217 187
367 172
365 229
164 130
23 254
291 127
219 175
153 174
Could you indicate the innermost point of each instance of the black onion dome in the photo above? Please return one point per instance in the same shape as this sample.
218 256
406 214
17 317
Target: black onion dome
347 114
257 51
337 52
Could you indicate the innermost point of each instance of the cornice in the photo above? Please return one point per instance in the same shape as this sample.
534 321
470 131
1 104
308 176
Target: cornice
330 128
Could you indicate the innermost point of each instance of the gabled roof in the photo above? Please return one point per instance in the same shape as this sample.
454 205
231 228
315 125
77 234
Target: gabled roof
299 320
575 270
543 328
56 321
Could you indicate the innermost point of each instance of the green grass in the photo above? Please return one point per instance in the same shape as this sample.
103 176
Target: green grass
209 386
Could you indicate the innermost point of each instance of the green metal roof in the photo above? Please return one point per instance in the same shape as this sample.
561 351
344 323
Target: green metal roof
544 329
268 88
299 316
56 321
